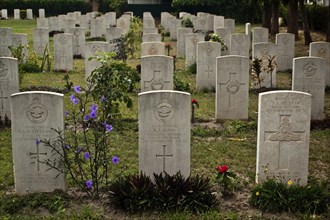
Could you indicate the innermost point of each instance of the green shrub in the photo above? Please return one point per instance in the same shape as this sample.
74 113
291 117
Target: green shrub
193 68
22 14
187 23
274 196
180 84
135 193
317 17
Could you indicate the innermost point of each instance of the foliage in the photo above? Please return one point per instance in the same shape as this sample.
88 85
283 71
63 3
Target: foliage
278 197
68 83
95 39
186 22
22 14
45 60
84 153
193 68
121 48
318 17
5 122
113 81
255 71
180 84
240 10
135 193
217 38
19 53
52 7
271 64
133 37
227 180
55 202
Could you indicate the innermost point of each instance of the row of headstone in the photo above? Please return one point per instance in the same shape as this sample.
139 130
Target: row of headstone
17 15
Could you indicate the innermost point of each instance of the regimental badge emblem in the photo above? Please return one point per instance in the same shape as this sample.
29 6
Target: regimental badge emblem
164 111
37 112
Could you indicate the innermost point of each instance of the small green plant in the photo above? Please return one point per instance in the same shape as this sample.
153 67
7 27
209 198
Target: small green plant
121 48
269 68
68 83
180 84
193 68
255 71
168 48
186 22
19 53
133 38
226 180
45 60
217 38
135 193
273 196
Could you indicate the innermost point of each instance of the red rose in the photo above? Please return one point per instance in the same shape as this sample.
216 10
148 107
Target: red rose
223 169
194 101
218 168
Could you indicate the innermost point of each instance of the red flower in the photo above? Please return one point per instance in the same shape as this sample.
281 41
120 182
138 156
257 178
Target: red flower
194 101
222 169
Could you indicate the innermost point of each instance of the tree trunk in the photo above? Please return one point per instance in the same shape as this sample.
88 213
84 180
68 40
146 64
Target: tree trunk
275 9
293 18
328 32
95 5
267 15
307 34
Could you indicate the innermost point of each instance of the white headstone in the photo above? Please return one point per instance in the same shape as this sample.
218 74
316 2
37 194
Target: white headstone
164 132
225 36
322 50
151 38
5 41
308 75
265 51
21 39
29 14
191 41
4 14
9 84
156 73
153 30
91 49
78 46
283 136
69 23
42 13
163 19
34 115
230 23
239 45
42 23
63 55
17 14
96 27
173 29
124 23
53 24
210 22
207 53
285 43
111 19
201 24
219 21
181 41
152 48
40 40
248 32
259 35
148 22
232 89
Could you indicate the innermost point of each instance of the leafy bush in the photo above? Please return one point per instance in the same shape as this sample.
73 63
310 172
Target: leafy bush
180 84
135 193
187 23
318 17
274 196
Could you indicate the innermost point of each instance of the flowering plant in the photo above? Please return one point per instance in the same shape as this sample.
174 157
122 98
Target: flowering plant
194 105
225 178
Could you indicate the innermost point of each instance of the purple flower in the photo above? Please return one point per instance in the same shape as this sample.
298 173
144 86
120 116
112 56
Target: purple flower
115 160
108 128
86 117
89 184
37 141
74 100
102 98
67 146
86 155
77 89
66 113
92 114
93 108
79 150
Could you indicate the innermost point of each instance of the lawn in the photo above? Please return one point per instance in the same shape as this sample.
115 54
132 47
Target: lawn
231 142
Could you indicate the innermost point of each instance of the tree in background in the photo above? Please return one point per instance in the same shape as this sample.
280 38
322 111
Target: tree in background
275 15
267 14
307 34
328 32
293 18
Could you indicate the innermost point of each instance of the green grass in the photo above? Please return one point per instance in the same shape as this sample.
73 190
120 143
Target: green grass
228 142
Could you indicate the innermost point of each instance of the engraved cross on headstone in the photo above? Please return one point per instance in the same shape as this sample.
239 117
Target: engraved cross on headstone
37 155
232 86
164 156
156 82
209 71
2 98
284 137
